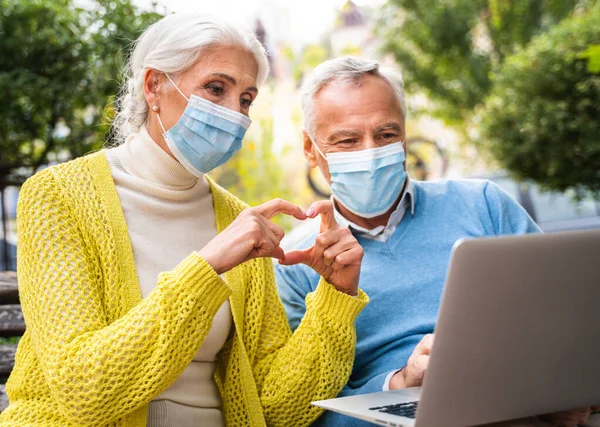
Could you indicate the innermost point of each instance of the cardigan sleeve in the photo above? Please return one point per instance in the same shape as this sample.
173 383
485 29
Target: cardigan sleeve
314 362
98 371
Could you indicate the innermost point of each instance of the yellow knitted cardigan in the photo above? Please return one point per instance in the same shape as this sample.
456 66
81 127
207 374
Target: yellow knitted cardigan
96 354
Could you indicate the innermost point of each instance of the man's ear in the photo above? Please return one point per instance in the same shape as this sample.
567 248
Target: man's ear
309 150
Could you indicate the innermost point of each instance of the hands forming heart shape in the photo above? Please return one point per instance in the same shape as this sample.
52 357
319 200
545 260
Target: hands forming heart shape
336 254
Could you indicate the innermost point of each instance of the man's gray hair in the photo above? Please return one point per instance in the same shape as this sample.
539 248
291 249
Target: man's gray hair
345 68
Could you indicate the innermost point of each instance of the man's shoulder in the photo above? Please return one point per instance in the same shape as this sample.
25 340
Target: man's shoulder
452 187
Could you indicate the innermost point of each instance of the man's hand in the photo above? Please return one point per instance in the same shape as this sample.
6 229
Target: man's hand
569 418
413 373
336 254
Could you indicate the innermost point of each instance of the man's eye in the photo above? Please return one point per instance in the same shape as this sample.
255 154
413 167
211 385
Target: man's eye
347 141
388 135
247 103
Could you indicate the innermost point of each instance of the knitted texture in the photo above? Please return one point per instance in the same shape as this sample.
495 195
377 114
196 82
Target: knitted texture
95 353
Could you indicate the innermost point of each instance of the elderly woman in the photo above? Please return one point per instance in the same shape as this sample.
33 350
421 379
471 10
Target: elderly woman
147 289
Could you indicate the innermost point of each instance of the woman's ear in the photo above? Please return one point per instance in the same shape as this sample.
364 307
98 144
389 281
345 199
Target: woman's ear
309 150
152 82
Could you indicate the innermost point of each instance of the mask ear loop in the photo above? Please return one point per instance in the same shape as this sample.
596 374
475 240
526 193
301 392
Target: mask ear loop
178 90
324 158
160 122
317 147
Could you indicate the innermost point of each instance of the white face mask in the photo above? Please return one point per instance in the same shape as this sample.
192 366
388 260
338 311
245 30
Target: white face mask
367 182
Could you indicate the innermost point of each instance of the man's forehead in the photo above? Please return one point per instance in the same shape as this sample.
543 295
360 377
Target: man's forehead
369 102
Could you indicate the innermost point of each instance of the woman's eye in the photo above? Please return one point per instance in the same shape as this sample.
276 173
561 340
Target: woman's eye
246 103
215 89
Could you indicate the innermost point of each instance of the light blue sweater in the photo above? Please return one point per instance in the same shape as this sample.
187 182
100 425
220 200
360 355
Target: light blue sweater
405 275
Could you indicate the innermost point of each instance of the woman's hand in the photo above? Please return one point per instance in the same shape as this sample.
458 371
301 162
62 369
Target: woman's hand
336 254
250 236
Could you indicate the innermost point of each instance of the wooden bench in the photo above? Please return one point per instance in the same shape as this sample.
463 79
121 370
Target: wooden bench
12 325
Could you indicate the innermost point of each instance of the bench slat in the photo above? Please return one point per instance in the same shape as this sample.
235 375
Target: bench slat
7 359
11 321
9 293
3 398
8 276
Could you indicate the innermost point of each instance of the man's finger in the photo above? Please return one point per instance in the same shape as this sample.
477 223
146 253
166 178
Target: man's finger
325 209
277 206
324 241
352 256
296 257
424 347
419 366
335 252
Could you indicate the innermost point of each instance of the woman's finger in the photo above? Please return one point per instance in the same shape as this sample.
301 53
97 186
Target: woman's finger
277 206
268 243
274 228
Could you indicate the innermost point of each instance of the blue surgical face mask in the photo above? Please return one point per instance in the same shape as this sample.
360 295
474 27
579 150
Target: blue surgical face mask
206 135
367 182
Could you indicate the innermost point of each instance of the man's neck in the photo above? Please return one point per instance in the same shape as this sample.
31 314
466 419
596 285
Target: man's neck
367 223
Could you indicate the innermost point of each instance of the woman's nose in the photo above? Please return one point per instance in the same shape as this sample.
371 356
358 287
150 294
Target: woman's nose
233 103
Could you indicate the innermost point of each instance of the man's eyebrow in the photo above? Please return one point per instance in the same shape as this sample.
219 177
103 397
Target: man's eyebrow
232 81
342 133
389 126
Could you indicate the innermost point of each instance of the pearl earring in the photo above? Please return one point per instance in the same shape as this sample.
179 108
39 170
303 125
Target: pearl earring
154 108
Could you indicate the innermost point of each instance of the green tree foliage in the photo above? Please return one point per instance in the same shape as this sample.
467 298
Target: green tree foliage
449 49
542 118
593 55
59 69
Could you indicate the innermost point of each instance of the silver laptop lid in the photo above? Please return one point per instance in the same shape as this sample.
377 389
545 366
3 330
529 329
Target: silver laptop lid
518 330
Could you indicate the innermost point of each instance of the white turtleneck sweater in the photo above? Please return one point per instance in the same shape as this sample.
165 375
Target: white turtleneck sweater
169 214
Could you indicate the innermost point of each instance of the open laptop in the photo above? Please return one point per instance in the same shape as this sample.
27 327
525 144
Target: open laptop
518 334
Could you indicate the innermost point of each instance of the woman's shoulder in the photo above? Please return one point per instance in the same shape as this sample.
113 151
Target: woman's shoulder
77 166
72 176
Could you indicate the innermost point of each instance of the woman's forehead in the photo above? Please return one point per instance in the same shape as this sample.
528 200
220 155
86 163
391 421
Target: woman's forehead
231 63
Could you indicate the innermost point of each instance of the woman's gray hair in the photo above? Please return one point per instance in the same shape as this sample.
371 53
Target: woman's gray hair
346 68
172 45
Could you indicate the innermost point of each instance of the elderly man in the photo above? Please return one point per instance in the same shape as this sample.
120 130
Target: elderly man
354 115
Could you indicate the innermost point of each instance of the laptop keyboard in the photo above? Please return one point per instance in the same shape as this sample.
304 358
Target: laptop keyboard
408 410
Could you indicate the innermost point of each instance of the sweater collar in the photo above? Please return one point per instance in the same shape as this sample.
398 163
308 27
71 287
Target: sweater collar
142 157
